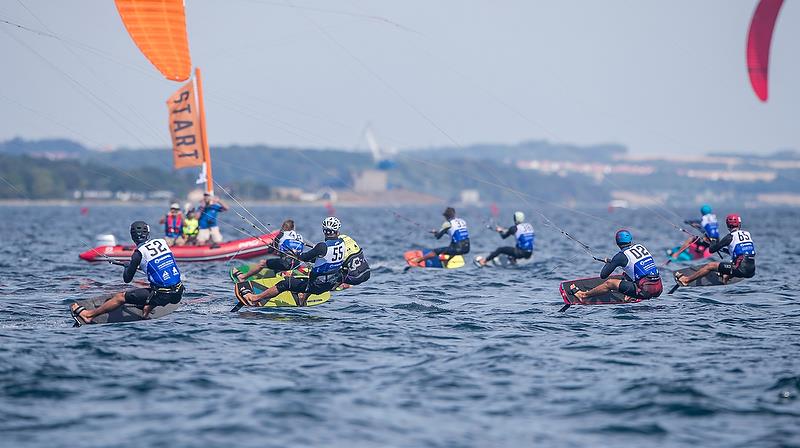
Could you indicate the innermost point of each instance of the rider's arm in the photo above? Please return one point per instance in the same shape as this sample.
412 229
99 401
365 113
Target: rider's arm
508 232
318 251
443 230
133 265
222 206
619 260
724 242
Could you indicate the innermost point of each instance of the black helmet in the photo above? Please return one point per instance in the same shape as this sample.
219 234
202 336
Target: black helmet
140 232
449 213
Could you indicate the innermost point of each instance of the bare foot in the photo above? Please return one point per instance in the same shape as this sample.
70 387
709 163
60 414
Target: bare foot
681 279
82 314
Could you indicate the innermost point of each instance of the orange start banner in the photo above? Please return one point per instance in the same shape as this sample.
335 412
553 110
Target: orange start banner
184 128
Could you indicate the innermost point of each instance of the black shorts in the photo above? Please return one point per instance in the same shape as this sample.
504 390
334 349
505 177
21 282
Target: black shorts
645 289
139 296
301 285
742 267
459 248
282 264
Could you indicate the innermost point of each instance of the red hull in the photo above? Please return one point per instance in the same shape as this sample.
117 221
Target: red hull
244 248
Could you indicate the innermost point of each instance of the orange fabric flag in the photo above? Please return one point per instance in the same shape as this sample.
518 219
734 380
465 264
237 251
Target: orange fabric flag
184 127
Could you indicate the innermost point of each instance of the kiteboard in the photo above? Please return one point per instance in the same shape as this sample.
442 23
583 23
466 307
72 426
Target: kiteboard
502 260
125 313
710 279
585 284
442 261
691 253
284 299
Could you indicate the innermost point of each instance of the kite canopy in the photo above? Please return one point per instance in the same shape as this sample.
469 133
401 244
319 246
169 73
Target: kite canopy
759 39
158 27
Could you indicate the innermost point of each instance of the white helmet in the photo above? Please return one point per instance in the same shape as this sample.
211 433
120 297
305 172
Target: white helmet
331 224
519 217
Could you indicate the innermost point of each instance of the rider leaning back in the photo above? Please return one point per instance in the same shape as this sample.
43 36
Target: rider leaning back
154 257
743 254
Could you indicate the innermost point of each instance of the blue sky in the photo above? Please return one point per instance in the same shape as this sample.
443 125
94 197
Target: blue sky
659 77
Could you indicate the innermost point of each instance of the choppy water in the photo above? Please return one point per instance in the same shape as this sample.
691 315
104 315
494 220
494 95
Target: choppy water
429 358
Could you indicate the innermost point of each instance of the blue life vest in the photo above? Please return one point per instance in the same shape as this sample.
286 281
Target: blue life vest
710 226
525 236
330 263
458 230
158 262
640 263
291 242
741 244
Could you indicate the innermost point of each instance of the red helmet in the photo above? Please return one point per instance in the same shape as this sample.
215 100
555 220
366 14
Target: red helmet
733 221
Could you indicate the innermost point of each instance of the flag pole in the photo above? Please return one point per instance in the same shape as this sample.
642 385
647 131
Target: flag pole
202 113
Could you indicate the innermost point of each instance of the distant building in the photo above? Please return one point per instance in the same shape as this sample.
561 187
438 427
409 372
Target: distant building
371 181
470 197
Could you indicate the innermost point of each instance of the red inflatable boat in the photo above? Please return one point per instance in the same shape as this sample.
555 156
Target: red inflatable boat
244 248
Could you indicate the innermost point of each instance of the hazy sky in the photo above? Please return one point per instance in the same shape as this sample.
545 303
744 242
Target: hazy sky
657 76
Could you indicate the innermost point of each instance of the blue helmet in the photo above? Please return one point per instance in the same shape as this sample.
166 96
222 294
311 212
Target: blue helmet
623 238
705 209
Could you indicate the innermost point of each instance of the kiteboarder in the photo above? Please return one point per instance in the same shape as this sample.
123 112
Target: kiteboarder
743 255
155 258
641 279
355 269
208 219
524 236
326 273
459 236
289 244
173 225
708 224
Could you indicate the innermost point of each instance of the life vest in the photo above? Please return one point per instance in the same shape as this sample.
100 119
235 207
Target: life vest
328 266
290 242
458 230
741 244
640 263
190 227
355 264
173 225
710 225
158 262
524 236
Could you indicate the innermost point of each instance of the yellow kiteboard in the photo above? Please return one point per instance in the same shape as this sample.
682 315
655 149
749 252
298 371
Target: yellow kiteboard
284 299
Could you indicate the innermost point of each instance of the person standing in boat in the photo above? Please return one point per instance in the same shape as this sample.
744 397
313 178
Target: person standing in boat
289 244
326 273
208 227
641 279
152 256
456 228
524 236
173 225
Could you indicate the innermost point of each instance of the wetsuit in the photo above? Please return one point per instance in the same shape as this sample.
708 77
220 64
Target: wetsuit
326 274
459 237
290 245
641 278
355 269
155 258
524 235
743 254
